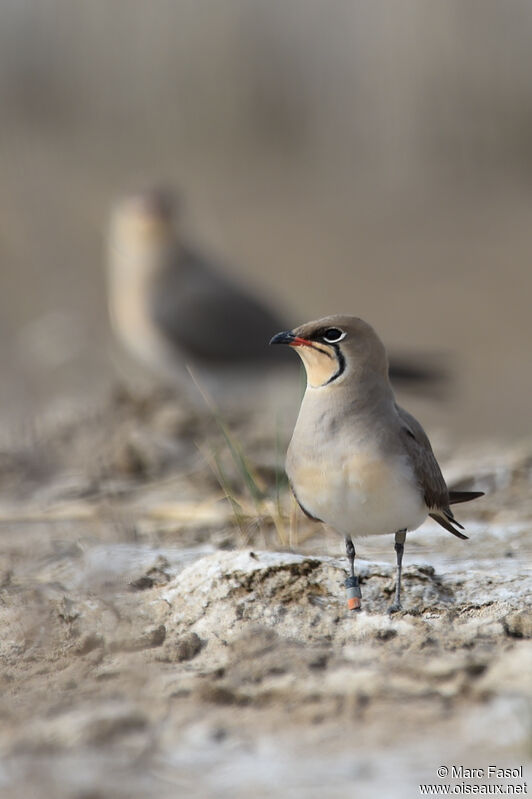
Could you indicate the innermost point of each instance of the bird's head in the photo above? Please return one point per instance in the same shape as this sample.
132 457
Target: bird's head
336 347
146 219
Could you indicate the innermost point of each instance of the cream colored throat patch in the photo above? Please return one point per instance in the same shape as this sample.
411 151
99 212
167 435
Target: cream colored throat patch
321 363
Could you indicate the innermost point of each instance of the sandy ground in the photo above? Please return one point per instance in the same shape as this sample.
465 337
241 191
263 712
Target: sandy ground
158 638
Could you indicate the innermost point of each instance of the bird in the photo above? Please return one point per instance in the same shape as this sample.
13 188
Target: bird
174 308
357 461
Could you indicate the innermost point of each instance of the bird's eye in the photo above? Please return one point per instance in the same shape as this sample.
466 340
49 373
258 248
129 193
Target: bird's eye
333 334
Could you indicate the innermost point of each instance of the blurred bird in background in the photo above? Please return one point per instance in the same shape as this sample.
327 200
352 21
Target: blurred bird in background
174 308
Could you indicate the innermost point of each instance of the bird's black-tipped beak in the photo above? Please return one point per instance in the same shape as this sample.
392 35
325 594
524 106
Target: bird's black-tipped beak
286 337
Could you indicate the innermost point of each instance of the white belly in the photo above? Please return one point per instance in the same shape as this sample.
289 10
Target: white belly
361 496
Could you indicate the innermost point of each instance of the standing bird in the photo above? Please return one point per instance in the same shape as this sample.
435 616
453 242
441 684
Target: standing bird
172 307
357 461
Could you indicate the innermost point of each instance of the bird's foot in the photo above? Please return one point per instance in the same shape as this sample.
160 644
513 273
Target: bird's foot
354 594
395 608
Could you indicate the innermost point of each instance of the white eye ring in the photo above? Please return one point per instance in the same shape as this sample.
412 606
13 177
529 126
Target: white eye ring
336 335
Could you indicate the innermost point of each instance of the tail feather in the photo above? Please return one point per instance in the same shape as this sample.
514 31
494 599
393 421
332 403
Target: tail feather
447 524
447 512
455 497
444 516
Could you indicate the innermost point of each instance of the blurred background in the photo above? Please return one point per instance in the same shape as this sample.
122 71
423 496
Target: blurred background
367 158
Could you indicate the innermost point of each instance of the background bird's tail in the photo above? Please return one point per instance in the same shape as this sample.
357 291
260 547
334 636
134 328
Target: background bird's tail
455 497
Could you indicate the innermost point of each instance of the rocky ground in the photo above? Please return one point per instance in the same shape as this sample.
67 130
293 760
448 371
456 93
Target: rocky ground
172 626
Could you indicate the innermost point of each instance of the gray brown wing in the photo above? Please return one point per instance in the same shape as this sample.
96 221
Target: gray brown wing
425 465
428 473
210 317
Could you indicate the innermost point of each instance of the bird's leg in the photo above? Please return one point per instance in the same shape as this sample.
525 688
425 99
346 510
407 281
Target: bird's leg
399 547
354 594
